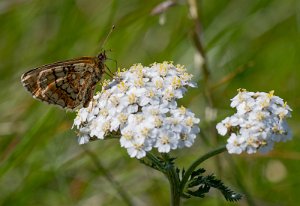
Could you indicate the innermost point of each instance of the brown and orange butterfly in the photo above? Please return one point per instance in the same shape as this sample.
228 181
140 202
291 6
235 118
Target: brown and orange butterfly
69 84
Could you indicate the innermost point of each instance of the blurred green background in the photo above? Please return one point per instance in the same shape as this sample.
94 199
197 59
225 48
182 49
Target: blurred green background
250 44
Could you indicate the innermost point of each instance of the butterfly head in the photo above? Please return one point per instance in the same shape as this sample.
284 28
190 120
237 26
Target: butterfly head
102 56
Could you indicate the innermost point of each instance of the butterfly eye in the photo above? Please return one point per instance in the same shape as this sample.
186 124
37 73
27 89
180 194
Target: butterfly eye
102 56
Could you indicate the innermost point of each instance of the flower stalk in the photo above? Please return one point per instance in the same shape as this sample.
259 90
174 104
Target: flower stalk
174 186
168 168
197 162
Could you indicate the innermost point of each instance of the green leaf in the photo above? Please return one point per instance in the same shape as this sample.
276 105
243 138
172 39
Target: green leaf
197 172
199 185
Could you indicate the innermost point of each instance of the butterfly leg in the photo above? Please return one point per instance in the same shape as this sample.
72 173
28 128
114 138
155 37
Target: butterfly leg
88 95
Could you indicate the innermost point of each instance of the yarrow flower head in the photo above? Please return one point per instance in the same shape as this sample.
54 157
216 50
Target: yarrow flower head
140 106
259 122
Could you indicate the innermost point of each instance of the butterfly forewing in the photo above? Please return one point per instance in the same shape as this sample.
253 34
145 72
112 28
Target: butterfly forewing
69 84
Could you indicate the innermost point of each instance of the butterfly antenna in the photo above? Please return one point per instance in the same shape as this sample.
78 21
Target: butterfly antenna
106 38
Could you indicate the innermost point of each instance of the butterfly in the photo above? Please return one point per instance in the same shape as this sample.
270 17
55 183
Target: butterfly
69 84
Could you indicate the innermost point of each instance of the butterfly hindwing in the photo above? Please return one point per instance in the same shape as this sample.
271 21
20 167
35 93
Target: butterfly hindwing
68 84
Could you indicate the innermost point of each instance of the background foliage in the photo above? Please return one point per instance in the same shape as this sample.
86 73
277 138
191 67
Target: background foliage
248 44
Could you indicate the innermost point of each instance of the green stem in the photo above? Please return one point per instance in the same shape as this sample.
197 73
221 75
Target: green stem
170 172
174 186
174 182
195 164
177 186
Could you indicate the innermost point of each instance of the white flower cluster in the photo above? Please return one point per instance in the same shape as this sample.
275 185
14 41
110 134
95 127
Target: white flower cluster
140 106
260 121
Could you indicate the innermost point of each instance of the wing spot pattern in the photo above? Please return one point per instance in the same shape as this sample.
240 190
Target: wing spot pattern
68 84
